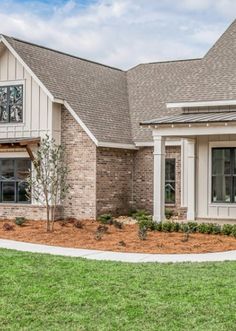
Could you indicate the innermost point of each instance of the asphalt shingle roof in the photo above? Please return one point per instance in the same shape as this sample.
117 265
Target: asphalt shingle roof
112 103
97 93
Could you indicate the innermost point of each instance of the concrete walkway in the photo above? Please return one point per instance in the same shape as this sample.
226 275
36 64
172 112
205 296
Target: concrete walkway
116 256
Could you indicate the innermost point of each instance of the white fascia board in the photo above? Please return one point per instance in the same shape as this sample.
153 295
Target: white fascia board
116 145
80 122
38 81
201 104
195 130
168 142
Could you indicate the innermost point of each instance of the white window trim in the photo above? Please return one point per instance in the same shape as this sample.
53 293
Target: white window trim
14 83
214 144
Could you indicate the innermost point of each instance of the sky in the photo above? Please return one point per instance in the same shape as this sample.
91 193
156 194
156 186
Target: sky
120 33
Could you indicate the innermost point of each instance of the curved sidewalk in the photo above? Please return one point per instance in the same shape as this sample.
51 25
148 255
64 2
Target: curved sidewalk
117 256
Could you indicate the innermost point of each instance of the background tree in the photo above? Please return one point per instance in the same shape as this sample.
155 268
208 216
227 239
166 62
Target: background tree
47 182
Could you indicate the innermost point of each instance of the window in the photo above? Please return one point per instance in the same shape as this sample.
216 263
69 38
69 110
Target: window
224 175
170 181
13 174
11 104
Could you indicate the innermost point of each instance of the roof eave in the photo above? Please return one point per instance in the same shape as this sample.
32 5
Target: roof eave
190 104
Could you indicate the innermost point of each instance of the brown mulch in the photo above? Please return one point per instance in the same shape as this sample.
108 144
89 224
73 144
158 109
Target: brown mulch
124 240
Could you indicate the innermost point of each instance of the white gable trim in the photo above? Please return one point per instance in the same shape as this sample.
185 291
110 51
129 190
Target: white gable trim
80 122
38 81
116 145
201 104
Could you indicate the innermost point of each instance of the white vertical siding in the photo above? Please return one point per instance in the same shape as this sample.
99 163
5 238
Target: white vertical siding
39 112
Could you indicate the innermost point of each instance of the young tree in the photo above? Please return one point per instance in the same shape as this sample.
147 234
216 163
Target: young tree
47 182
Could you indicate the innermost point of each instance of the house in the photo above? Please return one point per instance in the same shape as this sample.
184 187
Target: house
160 134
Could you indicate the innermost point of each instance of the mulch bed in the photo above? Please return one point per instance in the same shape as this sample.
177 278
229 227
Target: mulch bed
124 240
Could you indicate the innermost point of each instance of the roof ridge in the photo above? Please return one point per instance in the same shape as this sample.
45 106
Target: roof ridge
166 61
63 53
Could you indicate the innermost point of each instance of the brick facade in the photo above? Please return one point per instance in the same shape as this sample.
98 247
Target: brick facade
115 168
33 212
143 179
80 154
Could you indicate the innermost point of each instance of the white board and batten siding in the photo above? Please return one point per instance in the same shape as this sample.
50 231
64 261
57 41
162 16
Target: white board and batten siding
204 206
40 115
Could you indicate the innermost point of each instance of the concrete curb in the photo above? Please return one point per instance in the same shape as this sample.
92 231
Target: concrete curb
117 256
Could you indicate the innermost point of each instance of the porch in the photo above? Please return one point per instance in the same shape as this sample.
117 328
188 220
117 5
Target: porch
208 163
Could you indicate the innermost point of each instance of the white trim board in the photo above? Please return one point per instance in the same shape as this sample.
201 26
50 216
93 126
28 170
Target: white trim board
38 81
201 104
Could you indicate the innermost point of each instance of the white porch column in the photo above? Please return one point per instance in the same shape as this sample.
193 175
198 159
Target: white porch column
191 174
159 179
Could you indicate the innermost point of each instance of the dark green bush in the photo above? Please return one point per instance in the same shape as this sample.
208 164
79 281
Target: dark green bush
105 219
203 228
169 213
168 226
193 226
234 230
140 214
227 229
216 229
20 220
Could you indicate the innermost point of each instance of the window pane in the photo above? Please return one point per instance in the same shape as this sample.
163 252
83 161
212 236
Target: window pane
3 105
22 195
16 103
170 192
8 192
7 169
22 169
170 169
221 161
221 188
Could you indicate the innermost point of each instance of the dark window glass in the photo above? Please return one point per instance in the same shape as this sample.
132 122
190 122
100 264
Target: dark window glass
223 175
8 192
13 175
11 103
170 181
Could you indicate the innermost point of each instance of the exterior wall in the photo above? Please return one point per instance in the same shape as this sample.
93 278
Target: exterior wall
80 154
115 168
204 207
143 179
31 212
37 116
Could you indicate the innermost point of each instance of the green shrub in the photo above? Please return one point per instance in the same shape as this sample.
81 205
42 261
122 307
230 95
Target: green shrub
140 214
168 226
227 229
193 226
105 219
146 222
169 213
234 230
216 229
20 220
203 228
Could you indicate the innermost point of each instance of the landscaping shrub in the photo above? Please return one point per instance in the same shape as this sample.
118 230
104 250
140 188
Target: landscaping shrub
142 233
117 224
105 219
216 229
78 224
139 214
20 220
193 226
168 226
234 230
169 213
227 229
8 227
101 230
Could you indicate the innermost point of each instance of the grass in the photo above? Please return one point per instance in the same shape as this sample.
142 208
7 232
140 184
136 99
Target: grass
42 292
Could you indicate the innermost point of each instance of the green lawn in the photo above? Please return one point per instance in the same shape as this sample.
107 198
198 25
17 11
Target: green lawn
42 292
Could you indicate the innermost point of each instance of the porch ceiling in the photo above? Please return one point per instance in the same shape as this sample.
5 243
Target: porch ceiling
18 141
